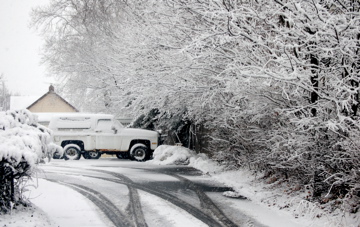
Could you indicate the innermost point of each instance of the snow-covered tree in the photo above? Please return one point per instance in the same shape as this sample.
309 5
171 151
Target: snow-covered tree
276 83
4 95
23 144
289 94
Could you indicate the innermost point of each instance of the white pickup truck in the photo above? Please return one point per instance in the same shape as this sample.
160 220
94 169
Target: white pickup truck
91 135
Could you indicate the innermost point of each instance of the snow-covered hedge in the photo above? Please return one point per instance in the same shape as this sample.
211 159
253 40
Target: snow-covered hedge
23 144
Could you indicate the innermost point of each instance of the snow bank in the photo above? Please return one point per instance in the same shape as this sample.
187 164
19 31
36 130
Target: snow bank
23 139
178 155
272 197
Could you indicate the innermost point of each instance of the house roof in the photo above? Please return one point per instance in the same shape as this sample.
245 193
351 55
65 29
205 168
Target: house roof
51 91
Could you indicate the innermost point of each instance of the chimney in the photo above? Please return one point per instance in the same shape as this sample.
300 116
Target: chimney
51 89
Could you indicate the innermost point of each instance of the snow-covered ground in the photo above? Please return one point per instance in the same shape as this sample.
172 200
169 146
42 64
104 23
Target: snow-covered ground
286 200
270 204
51 208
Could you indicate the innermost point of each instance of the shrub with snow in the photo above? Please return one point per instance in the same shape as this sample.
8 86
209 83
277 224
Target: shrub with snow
178 155
166 155
23 144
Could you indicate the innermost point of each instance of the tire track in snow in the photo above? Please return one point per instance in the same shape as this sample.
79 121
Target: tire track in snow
205 201
134 206
199 214
117 217
211 215
135 209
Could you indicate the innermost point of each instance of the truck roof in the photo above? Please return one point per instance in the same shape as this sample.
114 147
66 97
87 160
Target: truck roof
48 116
77 120
79 115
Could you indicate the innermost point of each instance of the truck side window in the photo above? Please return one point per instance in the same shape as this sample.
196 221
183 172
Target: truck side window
104 125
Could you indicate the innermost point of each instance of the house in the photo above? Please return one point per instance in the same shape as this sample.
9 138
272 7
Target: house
51 102
47 105
44 107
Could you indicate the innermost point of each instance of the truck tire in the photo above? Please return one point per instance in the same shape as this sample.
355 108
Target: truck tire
72 152
94 154
139 152
122 155
86 155
56 155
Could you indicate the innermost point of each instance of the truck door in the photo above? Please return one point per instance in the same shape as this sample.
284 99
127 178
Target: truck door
106 138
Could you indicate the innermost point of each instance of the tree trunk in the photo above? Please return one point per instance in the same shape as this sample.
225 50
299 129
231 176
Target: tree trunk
314 82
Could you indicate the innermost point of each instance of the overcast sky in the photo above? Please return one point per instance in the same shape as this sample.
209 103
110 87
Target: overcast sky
20 49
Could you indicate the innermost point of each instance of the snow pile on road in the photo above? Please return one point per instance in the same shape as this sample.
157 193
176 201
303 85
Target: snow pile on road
22 139
178 155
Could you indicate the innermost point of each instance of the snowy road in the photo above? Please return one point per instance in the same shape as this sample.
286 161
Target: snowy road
130 193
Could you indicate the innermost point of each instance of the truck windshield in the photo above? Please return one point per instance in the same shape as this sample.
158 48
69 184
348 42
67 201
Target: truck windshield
118 125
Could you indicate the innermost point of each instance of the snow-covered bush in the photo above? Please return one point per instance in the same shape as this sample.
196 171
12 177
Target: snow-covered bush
294 148
179 155
166 155
23 144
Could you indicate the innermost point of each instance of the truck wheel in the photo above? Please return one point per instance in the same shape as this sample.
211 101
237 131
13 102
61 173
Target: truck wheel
86 155
56 155
94 154
122 155
139 152
71 152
